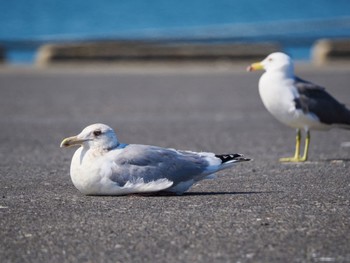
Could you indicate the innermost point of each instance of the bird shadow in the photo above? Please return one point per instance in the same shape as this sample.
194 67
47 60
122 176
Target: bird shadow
337 160
164 194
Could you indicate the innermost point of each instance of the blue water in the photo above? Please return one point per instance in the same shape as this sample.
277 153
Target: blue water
24 25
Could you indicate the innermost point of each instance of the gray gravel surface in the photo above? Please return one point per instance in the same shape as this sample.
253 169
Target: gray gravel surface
260 211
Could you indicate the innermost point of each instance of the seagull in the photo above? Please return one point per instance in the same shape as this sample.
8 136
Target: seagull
297 103
104 166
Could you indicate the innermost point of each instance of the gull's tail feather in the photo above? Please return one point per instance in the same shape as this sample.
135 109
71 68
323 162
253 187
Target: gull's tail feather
231 158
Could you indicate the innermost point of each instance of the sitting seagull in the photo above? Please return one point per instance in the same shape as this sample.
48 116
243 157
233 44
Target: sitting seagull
297 103
103 166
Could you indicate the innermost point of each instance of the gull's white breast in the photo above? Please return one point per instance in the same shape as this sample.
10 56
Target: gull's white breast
278 94
85 171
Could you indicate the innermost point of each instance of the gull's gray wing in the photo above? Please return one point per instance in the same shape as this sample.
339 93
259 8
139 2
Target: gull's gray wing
152 163
315 99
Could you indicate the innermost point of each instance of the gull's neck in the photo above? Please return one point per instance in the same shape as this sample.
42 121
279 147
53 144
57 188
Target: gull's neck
282 73
102 148
110 148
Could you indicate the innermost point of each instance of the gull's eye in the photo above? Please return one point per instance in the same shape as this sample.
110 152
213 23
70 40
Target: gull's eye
270 59
97 133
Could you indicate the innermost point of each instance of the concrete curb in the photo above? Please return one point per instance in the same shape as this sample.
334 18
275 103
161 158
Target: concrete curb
326 51
2 55
140 51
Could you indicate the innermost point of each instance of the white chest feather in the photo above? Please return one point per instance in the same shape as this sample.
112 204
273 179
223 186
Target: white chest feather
84 171
278 94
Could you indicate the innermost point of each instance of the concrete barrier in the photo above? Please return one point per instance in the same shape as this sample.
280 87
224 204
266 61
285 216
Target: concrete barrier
2 55
139 51
329 51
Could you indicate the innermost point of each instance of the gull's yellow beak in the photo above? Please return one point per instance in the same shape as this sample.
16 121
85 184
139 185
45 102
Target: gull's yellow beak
255 66
71 141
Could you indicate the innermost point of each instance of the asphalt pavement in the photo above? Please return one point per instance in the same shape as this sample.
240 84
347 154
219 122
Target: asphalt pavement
258 211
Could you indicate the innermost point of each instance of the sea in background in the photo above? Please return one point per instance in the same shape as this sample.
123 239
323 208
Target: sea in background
296 25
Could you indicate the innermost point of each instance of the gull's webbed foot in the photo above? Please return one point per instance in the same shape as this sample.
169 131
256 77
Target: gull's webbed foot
293 159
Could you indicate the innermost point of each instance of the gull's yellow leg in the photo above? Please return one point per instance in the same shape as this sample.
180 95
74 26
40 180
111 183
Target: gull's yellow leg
306 148
296 157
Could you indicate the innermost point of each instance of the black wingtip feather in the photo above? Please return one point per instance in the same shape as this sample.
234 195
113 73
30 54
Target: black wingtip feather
232 157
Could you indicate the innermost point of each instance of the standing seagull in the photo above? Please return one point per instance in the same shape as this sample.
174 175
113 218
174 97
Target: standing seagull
103 166
297 103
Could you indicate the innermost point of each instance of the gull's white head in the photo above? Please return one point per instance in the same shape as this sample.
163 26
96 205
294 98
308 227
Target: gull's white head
274 62
93 136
